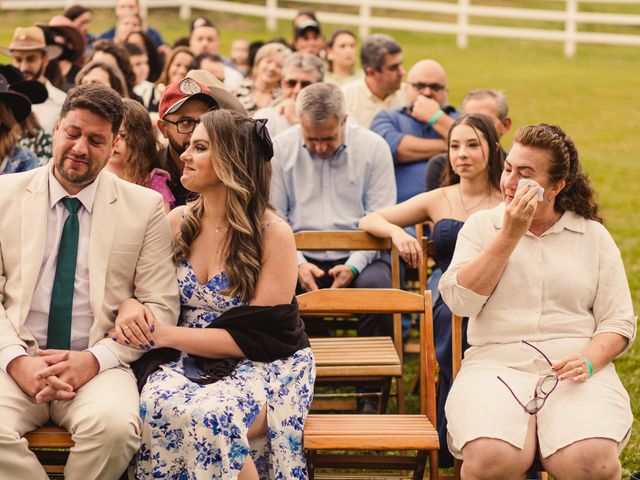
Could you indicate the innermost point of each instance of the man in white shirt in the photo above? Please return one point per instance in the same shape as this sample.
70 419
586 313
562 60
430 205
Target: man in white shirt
30 54
381 58
75 244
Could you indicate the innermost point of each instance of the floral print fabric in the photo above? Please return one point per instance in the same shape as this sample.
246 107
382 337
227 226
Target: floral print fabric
19 160
193 431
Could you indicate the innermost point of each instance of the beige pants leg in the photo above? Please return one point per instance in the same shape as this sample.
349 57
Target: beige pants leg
105 425
19 414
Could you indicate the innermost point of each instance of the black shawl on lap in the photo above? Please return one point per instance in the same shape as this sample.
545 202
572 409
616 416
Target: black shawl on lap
264 334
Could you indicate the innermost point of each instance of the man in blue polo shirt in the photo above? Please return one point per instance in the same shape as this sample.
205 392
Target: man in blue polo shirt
419 131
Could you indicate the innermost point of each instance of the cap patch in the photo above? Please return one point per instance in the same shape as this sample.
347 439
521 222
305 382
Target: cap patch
189 86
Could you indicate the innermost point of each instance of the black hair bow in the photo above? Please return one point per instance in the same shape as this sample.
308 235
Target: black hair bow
263 132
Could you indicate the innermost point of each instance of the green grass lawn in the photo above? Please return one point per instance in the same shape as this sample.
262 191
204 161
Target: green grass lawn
593 96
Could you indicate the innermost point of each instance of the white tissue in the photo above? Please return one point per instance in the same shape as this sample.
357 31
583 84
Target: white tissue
525 181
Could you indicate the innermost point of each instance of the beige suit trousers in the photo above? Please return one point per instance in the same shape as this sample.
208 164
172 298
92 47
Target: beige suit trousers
103 419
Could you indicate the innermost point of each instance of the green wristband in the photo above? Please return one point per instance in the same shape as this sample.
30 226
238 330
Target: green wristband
587 360
353 269
434 118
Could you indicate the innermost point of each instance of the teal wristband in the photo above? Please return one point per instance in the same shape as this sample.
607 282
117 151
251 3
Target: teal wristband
434 118
353 269
587 360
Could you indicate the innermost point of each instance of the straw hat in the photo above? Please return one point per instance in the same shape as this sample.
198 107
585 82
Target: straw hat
19 104
31 38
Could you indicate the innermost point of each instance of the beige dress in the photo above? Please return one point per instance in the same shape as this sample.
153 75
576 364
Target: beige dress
557 291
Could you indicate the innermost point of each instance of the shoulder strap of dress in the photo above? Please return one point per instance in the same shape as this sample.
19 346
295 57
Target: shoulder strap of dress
269 223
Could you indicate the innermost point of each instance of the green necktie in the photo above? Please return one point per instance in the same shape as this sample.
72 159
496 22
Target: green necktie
59 330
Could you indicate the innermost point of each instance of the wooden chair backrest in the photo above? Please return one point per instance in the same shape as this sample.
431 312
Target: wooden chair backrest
428 251
384 300
347 240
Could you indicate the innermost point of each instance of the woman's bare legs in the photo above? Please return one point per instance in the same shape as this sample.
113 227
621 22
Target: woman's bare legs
257 428
593 458
492 459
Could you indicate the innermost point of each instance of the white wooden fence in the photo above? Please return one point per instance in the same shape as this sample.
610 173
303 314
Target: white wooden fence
570 18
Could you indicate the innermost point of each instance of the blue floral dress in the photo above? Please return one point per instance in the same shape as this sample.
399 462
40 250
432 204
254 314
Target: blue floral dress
193 431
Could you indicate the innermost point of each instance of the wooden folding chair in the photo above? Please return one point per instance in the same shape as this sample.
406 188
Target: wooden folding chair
391 433
51 445
355 360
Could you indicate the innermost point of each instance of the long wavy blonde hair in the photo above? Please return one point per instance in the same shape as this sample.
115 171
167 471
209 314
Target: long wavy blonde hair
241 162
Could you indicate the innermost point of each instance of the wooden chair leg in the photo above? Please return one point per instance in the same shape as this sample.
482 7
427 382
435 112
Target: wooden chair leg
384 397
457 466
415 385
400 394
311 469
433 464
421 458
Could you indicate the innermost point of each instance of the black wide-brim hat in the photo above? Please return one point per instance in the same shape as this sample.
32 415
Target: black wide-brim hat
32 89
19 104
74 41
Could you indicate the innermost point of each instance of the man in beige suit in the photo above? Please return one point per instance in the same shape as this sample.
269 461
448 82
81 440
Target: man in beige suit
76 242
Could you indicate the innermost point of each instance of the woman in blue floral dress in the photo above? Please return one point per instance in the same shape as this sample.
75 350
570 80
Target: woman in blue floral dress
231 251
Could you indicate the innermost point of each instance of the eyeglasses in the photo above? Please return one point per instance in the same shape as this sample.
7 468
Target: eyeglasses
291 83
434 87
544 387
186 125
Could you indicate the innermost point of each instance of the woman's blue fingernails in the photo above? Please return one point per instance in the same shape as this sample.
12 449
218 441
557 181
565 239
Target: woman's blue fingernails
126 342
153 327
148 347
106 334
141 346
114 339
153 344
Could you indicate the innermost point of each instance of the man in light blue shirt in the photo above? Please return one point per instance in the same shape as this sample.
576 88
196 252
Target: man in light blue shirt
327 174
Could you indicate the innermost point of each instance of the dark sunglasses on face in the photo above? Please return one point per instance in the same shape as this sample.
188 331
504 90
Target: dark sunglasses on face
291 83
434 87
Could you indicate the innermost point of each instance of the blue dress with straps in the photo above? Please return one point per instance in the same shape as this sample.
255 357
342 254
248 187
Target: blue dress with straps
444 236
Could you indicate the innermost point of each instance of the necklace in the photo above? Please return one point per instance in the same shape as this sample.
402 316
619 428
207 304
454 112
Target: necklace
218 228
474 206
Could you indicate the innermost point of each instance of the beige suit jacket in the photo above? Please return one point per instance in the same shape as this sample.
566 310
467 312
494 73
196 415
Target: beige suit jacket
130 255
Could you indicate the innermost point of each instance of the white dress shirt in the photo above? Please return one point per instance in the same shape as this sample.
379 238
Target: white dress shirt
49 111
37 320
363 105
